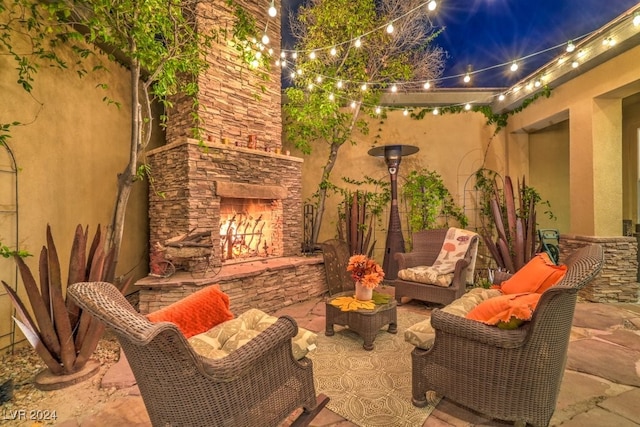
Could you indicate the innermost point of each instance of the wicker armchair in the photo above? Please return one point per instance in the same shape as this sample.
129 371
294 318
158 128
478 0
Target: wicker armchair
426 247
336 259
258 384
511 375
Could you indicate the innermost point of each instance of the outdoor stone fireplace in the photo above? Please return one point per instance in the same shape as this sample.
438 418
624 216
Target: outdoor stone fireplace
241 198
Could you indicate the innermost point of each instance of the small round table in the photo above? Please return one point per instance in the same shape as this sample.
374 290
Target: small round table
364 322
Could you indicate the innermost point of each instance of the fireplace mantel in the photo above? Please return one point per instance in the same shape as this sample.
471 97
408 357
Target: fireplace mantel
249 191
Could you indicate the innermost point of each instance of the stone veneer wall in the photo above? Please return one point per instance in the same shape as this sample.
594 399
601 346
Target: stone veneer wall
184 197
234 101
267 286
617 282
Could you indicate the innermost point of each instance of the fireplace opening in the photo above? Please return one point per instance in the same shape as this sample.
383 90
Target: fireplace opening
250 228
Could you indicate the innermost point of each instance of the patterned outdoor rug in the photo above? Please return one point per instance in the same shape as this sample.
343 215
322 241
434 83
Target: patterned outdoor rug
369 388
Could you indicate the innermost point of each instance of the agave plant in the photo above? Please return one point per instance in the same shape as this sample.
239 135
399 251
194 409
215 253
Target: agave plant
63 336
353 226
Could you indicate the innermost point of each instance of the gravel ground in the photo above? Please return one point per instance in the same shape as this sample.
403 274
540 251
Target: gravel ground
29 404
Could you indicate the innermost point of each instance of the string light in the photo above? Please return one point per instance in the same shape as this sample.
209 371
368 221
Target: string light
319 79
331 97
467 106
353 104
436 111
265 39
272 9
405 112
501 97
432 5
378 110
570 46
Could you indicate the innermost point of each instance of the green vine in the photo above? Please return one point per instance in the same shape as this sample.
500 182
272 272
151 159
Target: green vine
7 252
428 200
500 120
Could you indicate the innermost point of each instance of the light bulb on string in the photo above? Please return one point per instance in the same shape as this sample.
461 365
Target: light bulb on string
272 9
283 63
537 83
258 55
310 86
363 87
436 111
514 66
467 78
333 51
575 64
331 97
255 63
390 28
501 97
378 110
294 55
570 46
299 71
353 104
467 106
312 54
358 42
270 51
283 54
319 79
636 19
427 85
394 88
277 62
265 39
405 112
339 84
432 5
293 75
581 53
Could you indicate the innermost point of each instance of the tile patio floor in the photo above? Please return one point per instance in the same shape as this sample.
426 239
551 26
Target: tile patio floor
601 385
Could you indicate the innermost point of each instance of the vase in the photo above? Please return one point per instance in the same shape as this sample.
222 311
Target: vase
363 293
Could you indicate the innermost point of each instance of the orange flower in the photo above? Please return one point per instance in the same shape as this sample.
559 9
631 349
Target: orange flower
365 270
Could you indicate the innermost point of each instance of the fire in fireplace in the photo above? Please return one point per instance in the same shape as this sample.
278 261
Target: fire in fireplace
250 228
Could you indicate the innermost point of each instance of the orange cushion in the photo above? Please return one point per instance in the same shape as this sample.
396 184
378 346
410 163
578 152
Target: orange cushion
538 275
197 313
506 310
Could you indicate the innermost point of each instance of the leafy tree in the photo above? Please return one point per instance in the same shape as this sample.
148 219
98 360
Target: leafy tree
162 42
327 102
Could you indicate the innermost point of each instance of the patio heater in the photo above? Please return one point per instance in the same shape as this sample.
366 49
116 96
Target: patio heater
395 241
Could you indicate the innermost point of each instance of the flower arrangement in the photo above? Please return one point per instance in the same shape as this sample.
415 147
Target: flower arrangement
365 270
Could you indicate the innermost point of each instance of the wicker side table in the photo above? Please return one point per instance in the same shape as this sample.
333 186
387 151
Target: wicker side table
365 323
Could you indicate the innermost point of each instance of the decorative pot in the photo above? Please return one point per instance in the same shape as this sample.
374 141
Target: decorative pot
363 293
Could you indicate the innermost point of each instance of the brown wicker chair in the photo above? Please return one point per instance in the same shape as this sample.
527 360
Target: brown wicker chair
259 384
511 375
336 259
426 247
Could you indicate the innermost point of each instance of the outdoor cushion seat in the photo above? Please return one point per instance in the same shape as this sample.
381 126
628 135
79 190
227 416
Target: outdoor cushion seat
422 334
230 335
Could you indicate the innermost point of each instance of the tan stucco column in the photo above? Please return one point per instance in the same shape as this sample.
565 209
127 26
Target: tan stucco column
595 167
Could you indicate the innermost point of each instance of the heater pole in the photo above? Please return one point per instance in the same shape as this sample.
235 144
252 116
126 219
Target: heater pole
395 240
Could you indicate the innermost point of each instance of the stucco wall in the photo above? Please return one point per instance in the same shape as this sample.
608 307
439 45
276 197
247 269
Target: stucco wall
69 151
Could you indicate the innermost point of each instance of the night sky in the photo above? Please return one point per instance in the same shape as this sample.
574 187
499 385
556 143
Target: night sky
486 33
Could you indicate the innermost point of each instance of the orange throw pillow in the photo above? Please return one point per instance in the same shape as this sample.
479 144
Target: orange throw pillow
538 275
196 313
508 311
